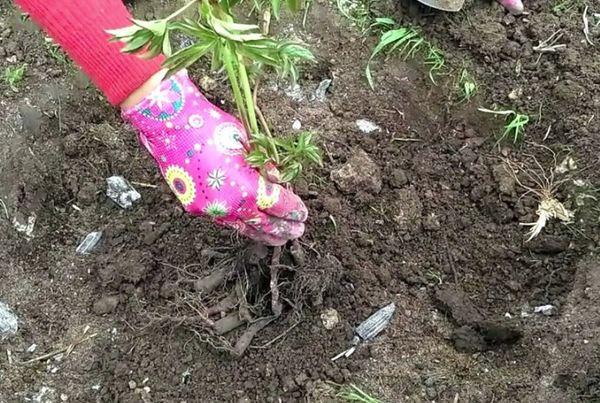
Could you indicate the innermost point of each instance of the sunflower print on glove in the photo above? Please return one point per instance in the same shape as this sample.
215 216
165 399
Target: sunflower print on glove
266 194
181 183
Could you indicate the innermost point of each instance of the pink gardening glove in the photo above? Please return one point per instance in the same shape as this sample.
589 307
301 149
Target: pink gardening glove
200 151
515 7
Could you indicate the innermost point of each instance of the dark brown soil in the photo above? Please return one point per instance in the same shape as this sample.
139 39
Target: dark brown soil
430 222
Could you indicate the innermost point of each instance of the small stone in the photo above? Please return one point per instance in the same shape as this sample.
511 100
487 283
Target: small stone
132 385
330 318
121 191
398 178
547 310
360 173
207 83
64 397
515 94
431 222
297 125
31 348
105 304
89 243
366 126
429 382
8 322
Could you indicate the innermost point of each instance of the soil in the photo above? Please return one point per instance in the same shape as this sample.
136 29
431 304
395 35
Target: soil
419 212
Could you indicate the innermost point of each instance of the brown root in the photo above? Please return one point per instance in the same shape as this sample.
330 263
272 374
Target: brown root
228 323
246 338
224 305
212 281
276 306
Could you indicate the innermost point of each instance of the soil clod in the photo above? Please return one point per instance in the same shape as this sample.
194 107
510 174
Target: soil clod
106 304
360 173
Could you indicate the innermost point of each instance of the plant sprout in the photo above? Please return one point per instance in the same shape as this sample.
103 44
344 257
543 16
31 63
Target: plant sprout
466 86
408 42
515 125
14 75
353 393
235 48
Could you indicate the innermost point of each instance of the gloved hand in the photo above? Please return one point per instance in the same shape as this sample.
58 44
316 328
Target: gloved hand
200 151
515 7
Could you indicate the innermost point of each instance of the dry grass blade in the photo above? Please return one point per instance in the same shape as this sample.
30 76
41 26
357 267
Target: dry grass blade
67 350
586 26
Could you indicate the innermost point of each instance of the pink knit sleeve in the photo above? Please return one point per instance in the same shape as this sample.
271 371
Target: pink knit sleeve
79 28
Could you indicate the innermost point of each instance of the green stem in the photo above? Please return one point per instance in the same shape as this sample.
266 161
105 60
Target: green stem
252 110
232 68
247 94
181 10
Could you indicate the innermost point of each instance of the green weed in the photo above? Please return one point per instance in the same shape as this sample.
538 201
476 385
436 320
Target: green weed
408 42
514 129
352 393
56 52
357 11
467 86
14 75
565 6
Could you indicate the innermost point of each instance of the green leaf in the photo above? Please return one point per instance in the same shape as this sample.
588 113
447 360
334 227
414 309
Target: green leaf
187 56
276 7
138 41
369 76
157 26
387 38
123 32
222 31
166 45
385 21
295 5
233 26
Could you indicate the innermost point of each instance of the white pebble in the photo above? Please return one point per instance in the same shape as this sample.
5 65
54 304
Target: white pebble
297 125
366 126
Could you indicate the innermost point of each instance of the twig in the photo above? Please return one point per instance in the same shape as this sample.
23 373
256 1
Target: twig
67 350
144 185
586 27
282 335
405 139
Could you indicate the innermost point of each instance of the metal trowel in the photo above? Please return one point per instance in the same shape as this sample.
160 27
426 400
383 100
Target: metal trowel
444 5
515 7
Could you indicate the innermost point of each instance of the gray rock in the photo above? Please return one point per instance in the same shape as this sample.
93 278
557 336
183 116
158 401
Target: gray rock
8 322
121 191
